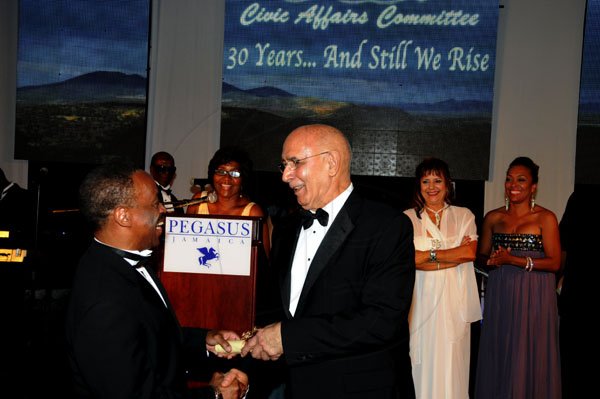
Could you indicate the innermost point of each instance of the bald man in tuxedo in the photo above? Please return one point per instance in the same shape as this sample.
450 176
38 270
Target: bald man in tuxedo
347 268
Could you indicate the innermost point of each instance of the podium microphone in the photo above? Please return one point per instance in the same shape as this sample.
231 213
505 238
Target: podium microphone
211 197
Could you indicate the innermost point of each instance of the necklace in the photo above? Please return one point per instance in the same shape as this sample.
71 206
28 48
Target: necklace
438 217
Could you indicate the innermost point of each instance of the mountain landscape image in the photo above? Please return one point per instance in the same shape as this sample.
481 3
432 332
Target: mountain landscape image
386 140
92 118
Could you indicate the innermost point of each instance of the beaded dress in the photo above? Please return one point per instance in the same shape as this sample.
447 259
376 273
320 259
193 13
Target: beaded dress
518 352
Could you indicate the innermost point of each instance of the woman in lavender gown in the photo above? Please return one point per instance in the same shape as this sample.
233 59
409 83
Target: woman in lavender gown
518 353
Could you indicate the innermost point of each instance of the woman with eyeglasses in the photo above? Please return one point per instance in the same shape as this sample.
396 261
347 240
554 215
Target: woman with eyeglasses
227 171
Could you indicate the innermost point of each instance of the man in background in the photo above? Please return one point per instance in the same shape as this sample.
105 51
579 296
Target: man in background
347 270
578 292
17 231
123 338
162 169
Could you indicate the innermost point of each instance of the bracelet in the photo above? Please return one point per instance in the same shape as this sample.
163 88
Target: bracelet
528 264
532 264
432 255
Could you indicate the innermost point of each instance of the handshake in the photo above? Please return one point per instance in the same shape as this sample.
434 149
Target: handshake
264 343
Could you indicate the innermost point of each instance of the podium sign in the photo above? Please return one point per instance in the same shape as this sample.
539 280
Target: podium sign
208 246
209 270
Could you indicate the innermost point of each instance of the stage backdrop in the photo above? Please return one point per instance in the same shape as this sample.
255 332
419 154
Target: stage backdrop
587 162
404 79
81 80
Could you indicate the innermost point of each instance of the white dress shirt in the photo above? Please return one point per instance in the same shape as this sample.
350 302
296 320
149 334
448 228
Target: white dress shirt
309 241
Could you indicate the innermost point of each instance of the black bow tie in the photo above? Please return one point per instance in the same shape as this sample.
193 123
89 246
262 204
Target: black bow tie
161 188
140 259
308 218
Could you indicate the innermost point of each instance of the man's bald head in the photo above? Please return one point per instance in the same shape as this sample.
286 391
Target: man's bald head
326 138
318 158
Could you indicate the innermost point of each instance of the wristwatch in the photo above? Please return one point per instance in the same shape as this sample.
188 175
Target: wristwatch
433 255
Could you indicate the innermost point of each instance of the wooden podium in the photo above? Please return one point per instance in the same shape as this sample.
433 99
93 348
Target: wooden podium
207 285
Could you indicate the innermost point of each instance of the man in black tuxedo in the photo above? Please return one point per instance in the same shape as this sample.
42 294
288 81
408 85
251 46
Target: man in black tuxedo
162 169
17 231
123 337
577 299
346 280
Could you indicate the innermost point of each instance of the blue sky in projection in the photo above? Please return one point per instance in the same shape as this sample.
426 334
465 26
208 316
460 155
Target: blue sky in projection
590 76
62 39
307 49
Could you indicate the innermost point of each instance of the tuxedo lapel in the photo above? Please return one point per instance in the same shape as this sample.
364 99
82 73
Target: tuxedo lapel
163 292
333 240
291 240
148 291
178 211
121 266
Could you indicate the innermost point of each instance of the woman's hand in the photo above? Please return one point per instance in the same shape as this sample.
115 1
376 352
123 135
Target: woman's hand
500 256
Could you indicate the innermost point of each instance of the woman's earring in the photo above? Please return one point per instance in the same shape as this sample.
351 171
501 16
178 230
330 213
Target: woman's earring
532 202
506 203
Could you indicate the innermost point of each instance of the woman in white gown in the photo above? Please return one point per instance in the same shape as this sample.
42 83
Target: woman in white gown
445 299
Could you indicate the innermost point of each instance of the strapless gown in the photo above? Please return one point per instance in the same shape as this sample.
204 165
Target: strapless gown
518 352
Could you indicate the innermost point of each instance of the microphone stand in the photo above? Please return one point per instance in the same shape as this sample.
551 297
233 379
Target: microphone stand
182 203
37 217
175 204
41 174
36 257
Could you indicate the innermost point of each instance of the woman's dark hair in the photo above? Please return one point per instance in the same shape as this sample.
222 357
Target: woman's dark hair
527 163
436 167
231 154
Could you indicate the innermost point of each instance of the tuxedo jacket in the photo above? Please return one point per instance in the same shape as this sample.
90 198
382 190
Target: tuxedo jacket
122 340
349 336
176 211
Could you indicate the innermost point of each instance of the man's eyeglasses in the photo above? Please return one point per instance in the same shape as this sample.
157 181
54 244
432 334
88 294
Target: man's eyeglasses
293 163
165 169
232 173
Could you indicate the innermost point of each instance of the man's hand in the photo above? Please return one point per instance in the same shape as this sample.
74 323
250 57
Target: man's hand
220 337
231 385
266 344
